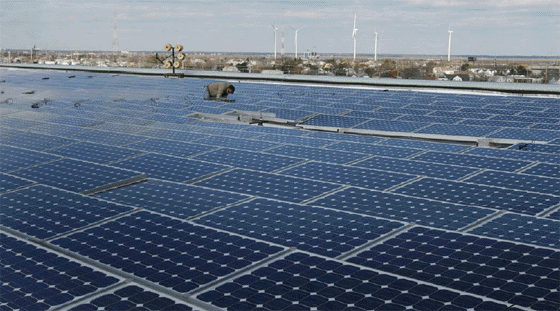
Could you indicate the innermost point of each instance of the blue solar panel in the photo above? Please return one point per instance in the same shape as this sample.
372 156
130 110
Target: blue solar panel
531 183
170 147
426 145
348 175
59 130
171 253
236 143
480 195
36 279
289 114
172 199
274 186
77 176
9 182
458 130
496 123
317 230
173 135
515 155
44 212
17 123
536 148
379 150
392 126
346 137
503 271
543 169
526 134
131 298
373 115
521 228
317 154
295 140
97 153
36 141
430 119
305 282
246 159
334 121
472 161
170 168
109 138
408 209
419 168
15 158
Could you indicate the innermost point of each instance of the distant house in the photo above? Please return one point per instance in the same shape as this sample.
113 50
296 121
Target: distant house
497 79
458 77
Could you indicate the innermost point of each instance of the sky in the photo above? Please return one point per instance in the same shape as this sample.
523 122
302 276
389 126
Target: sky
417 27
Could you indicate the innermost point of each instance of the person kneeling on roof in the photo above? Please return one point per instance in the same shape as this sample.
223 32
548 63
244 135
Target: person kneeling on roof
220 90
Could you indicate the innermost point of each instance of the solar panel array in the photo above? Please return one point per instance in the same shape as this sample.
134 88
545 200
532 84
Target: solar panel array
116 195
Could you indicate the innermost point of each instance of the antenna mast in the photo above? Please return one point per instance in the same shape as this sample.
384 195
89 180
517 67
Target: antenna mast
115 39
449 47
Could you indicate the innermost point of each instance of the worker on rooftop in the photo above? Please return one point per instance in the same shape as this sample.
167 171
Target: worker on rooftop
219 91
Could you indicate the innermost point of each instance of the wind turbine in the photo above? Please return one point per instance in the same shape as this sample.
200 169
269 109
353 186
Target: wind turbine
295 40
275 40
449 47
354 36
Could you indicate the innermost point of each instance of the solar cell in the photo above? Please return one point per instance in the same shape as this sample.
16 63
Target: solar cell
109 138
78 176
9 182
170 147
44 212
392 126
15 158
373 149
34 141
37 279
96 153
172 199
317 230
404 208
419 168
518 181
322 284
59 130
348 175
544 169
479 195
317 154
507 272
236 143
429 119
472 161
132 297
246 159
522 228
334 121
173 135
515 155
171 253
267 185
170 168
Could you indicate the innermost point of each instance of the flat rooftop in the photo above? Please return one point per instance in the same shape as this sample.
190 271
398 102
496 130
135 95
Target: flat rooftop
129 191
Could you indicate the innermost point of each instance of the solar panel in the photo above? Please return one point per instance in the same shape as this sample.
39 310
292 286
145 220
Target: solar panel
334 121
36 141
267 185
170 147
543 169
171 253
132 297
348 175
236 143
295 140
458 130
15 158
536 148
531 183
173 135
480 195
379 150
78 176
515 154
472 161
394 126
317 154
37 279
9 182
522 228
170 168
172 199
249 160
404 208
300 281
507 272
317 230
44 212
417 168
426 145
92 152
526 134
109 138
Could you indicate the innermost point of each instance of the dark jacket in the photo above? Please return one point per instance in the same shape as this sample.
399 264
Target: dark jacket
218 90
